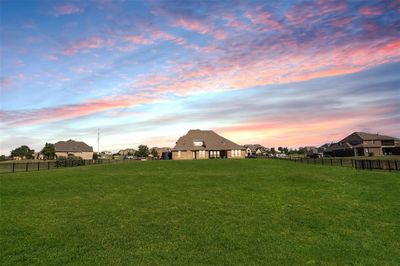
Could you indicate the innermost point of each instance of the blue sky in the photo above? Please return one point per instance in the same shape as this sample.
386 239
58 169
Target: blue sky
288 73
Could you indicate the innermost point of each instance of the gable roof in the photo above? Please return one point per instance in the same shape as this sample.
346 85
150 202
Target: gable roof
339 146
211 141
254 147
369 136
72 146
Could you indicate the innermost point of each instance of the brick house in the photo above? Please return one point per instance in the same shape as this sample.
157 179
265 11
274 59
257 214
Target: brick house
255 149
364 144
205 144
73 148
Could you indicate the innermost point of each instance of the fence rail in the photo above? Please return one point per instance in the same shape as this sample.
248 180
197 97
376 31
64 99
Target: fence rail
369 164
40 166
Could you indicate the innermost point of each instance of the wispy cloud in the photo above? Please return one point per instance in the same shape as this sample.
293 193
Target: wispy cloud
66 9
93 42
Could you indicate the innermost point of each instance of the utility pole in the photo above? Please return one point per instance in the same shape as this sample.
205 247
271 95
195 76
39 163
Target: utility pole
98 141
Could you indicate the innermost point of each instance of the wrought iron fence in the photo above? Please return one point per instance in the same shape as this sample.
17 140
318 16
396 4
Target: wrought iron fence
369 164
13 167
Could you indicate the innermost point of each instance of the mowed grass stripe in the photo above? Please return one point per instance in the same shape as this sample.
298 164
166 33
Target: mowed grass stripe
200 212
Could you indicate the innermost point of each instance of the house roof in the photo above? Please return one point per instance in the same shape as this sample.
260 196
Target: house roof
161 149
339 146
72 146
325 146
254 147
369 136
211 141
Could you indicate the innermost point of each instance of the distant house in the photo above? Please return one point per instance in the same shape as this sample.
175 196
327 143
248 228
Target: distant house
364 144
163 153
38 156
105 155
126 152
255 149
312 152
205 144
73 148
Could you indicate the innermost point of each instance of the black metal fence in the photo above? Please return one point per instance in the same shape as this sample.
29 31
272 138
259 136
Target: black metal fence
13 167
369 164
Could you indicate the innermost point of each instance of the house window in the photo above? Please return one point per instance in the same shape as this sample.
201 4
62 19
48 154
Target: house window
202 154
197 143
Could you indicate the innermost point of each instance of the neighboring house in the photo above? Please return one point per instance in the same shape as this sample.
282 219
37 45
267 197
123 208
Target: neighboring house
38 156
322 148
163 153
105 155
205 144
73 148
126 152
255 149
312 152
364 144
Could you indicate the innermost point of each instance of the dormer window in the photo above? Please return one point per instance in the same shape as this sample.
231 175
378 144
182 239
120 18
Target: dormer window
198 143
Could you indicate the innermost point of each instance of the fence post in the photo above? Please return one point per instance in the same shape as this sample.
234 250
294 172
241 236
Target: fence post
390 168
13 168
395 165
331 162
26 167
352 163
322 161
38 166
341 162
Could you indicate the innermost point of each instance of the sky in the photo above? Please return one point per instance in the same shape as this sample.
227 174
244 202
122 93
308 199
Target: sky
278 73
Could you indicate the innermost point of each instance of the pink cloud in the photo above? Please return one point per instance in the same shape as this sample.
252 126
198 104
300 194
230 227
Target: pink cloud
282 131
5 82
250 69
71 111
370 11
93 42
306 13
52 57
191 25
263 18
339 23
329 6
67 9
200 27
137 39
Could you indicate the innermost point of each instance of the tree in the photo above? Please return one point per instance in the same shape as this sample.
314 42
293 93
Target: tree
23 152
154 152
3 158
49 151
143 151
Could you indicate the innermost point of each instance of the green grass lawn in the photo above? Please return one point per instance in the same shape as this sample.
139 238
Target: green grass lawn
200 212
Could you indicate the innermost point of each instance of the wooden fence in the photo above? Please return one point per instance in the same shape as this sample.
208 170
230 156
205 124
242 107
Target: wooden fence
13 167
369 164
